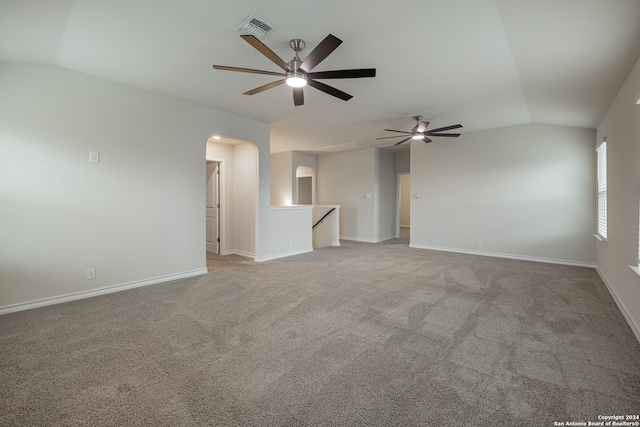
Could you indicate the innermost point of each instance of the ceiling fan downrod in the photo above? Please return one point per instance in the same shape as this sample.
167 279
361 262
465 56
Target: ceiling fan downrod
415 133
296 77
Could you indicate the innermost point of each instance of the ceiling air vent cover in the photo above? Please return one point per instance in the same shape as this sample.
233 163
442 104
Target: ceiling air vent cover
256 27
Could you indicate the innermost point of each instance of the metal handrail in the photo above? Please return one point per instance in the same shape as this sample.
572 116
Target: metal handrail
322 219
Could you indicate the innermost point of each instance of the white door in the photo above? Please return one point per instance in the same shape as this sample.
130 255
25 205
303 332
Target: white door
213 207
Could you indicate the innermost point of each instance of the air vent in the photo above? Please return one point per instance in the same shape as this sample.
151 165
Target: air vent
255 26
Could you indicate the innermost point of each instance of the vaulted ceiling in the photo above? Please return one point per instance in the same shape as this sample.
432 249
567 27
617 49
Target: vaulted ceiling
482 63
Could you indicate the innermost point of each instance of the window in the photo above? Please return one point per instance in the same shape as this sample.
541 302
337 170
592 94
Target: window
602 190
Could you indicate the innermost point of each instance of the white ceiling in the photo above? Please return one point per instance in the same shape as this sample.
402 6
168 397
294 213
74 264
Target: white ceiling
481 63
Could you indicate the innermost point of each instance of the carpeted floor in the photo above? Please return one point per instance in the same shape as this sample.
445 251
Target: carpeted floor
361 334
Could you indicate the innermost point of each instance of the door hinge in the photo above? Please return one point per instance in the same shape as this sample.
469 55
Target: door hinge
218 240
218 205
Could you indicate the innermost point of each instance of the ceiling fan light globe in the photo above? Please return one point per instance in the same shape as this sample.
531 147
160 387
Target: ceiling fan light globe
296 82
296 79
417 136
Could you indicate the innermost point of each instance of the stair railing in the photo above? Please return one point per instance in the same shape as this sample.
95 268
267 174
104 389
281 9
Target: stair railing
322 219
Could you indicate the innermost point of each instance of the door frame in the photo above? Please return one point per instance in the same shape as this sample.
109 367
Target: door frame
219 206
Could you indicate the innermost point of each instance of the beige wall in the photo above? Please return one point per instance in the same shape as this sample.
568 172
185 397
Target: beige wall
621 127
281 179
347 178
524 191
137 216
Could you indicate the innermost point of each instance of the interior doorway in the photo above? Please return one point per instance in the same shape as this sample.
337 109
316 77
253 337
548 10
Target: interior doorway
304 190
305 186
237 195
213 207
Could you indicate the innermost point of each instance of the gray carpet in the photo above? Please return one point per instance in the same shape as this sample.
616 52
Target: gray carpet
360 334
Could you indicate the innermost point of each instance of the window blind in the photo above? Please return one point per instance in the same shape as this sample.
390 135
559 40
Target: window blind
602 189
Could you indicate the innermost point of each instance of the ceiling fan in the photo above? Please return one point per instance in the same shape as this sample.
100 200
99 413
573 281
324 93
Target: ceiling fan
420 132
297 72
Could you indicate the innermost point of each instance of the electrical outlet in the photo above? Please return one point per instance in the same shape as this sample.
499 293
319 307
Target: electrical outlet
478 242
291 242
91 273
94 157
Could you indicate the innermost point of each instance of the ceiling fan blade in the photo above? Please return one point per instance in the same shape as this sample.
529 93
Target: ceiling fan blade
399 131
444 128
427 140
422 126
298 96
454 135
330 90
253 41
343 74
317 55
265 87
247 70
389 137
406 139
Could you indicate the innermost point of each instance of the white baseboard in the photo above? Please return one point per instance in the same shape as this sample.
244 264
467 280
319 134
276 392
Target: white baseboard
359 239
508 256
100 291
243 254
632 324
384 239
330 245
283 255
